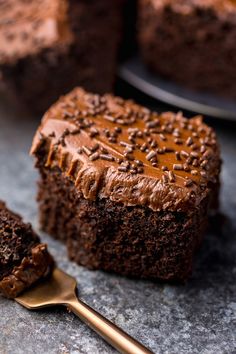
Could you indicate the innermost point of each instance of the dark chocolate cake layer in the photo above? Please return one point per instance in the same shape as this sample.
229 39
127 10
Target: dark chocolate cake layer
23 259
119 182
132 241
49 47
191 42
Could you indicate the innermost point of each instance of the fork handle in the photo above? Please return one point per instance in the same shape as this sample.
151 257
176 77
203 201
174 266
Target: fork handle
106 329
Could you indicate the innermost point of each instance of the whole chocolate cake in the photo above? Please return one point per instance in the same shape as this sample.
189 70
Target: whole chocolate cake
23 259
50 46
192 42
127 189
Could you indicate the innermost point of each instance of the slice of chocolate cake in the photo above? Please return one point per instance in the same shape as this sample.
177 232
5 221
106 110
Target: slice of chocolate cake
191 42
23 259
127 189
50 46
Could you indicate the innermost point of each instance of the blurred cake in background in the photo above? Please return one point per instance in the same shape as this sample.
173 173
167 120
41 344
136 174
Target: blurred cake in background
47 47
192 42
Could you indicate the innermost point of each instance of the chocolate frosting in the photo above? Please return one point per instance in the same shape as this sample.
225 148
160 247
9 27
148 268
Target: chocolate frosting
223 8
117 149
32 268
28 26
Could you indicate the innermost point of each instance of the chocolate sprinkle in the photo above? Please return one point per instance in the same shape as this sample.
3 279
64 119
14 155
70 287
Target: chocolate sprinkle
188 183
178 167
194 172
189 141
122 169
171 176
184 153
177 155
107 157
150 155
94 156
86 150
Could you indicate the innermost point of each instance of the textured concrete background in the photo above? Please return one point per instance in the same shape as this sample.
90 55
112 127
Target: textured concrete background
199 317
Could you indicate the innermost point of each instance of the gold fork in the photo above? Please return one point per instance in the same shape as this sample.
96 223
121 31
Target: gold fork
60 289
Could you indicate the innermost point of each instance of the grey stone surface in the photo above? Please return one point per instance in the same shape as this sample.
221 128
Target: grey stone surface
199 317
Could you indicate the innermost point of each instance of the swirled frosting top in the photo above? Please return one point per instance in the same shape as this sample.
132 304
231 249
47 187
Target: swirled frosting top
117 149
26 27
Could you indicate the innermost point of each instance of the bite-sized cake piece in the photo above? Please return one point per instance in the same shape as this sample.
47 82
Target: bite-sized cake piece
127 189
50 46
191 42
23 259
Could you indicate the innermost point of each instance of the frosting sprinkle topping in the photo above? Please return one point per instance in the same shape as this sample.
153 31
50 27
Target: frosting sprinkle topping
104 133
